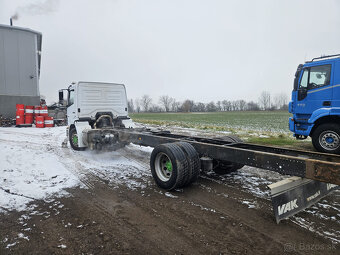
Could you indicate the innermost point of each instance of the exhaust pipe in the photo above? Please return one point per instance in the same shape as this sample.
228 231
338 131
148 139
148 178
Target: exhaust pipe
11 21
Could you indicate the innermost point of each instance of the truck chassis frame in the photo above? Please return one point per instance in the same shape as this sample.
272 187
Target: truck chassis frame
315 174
312 165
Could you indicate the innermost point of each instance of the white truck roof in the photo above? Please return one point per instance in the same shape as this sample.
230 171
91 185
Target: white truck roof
96 97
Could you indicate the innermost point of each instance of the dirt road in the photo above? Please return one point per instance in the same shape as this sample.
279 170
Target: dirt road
119 210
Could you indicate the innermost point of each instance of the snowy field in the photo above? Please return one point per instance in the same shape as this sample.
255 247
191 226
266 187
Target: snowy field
34 166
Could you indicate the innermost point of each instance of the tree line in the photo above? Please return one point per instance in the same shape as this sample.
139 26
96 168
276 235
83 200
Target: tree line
169 104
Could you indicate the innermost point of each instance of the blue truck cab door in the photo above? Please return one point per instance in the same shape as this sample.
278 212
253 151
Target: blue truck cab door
315 89
336 87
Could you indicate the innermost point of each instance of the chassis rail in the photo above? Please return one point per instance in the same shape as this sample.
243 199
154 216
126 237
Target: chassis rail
312 165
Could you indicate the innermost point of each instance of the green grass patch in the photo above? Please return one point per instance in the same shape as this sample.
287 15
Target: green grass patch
270 121
275 141
263 127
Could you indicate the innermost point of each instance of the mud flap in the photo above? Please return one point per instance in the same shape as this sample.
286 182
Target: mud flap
295 194
81 126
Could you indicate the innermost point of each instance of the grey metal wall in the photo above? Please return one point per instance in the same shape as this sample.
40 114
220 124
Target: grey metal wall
19 68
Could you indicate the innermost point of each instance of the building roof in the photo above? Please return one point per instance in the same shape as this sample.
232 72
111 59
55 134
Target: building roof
39 38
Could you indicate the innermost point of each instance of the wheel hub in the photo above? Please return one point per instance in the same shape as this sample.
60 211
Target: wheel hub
163 167
329 140
75 139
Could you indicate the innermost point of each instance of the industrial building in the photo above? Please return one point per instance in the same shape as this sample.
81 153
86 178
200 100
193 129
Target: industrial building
20 57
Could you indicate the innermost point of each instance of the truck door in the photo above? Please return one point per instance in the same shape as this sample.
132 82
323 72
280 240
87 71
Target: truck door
71 107
315 90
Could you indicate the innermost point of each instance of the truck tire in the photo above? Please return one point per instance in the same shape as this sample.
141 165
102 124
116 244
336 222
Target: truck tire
326 138
169 166
221 167
73 137
193 162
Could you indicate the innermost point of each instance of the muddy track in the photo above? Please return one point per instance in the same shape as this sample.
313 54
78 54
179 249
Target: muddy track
116 212
256 227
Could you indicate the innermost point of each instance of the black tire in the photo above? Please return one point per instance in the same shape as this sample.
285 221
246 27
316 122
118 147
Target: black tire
194 163
230 138
73 143
326 138
226 167
221 167
159 163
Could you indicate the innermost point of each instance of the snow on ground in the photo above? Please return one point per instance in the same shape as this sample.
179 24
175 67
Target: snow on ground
28 170
35 166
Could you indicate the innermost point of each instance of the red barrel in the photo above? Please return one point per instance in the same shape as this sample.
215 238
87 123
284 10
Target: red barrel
37 111
20 109
49 122
39 121
43 111
28 119
29 114
19 120
20 113
29 110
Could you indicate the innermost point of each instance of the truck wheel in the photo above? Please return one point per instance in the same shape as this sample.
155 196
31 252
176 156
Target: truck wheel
326 138
74 139
193 162
230 138
226 167
169 166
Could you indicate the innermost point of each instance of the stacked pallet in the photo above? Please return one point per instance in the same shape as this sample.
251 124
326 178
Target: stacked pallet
6 122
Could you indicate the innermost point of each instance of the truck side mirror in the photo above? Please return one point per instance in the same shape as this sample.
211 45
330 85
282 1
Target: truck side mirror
61 96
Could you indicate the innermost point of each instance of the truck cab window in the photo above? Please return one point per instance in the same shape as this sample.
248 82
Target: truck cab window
304 79
319 76
71 97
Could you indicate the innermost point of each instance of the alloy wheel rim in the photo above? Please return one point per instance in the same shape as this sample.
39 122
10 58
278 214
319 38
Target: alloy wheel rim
329 140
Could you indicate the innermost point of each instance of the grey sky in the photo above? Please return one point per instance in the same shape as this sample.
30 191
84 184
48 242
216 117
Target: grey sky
202 50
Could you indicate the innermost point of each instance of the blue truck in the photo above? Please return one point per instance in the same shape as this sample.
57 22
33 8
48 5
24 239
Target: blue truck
315 103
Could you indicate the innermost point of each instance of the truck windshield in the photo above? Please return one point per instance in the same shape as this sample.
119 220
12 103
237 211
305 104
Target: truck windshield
315 77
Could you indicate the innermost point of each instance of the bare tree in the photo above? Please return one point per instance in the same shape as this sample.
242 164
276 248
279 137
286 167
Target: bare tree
199 107
155 108
187 105
264 100
234 105
226 105
166 102
175 106
137 103
242 105
219 106
131 107
211 107
146 102
281 101
252 106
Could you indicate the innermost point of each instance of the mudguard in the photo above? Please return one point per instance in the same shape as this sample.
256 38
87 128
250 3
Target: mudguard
319 113
295 194
80 127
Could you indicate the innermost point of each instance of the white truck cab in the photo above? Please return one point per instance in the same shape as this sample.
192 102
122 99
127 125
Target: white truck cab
95 106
